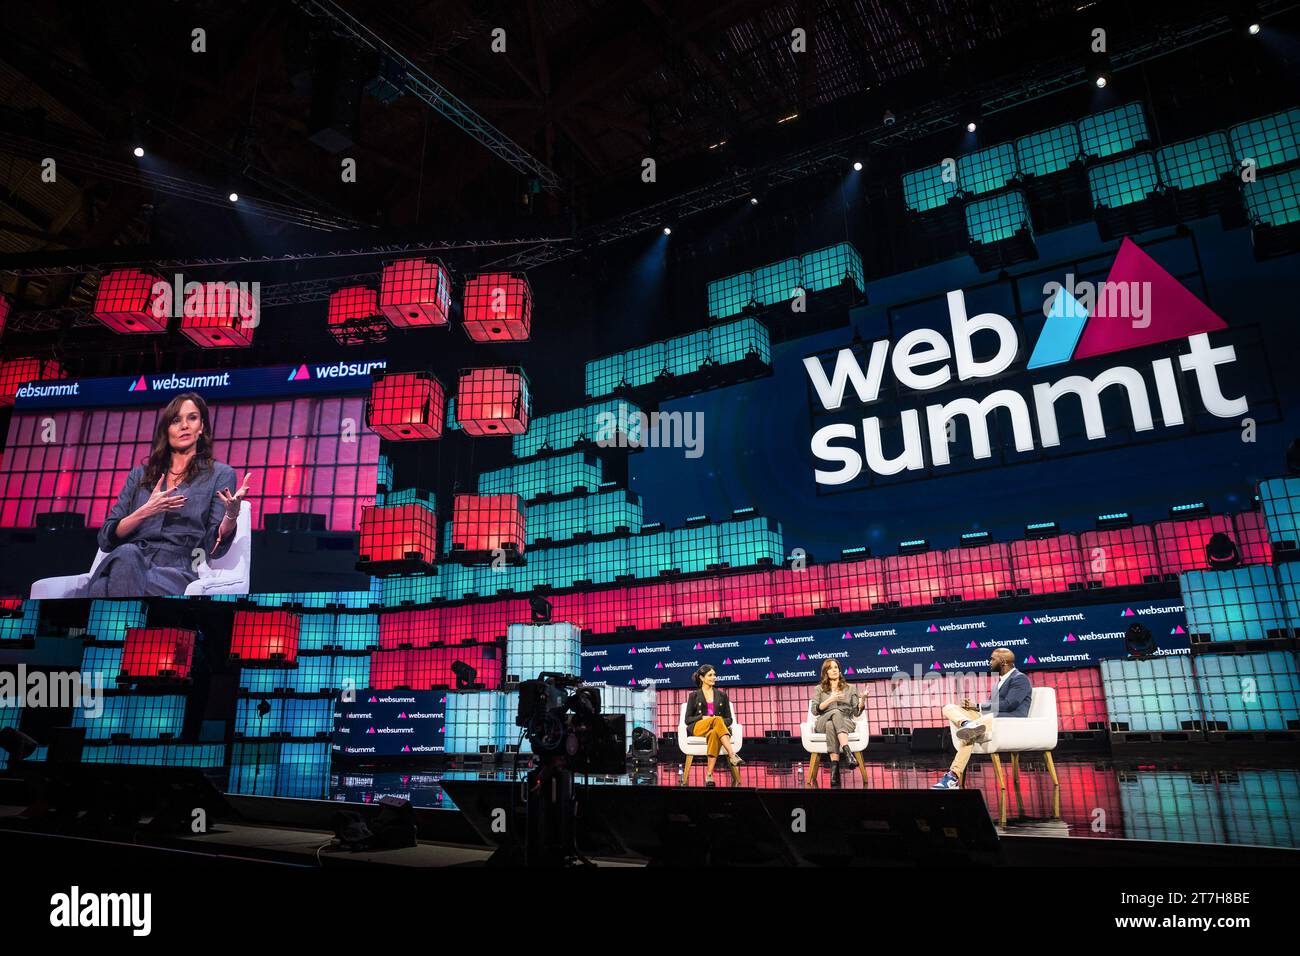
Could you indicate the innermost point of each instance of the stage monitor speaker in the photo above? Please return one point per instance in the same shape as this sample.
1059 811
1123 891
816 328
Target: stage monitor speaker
929 740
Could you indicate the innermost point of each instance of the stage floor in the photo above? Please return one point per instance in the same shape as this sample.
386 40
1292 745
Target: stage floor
1183 801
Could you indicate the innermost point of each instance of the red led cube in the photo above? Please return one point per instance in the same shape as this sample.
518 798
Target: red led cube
498 307
1181 543
1119 557
404 536
799 593
854 586
605 611
158 652
354 316
1047 565
483 524
696 601
125 301
388 669
913 580
420 628
1252 537
265 636
406 406
16 372
414 293
219 315
746 597
980 573
492 401
649 606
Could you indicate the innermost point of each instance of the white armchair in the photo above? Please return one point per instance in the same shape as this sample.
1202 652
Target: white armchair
1017 735
694 747
816 744
228 574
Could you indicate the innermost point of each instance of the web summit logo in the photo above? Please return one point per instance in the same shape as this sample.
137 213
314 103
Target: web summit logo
1157 309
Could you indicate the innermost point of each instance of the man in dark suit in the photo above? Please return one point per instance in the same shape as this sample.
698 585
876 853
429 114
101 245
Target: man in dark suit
1011 698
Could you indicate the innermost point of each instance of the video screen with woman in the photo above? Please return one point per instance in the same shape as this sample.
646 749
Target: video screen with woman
186 495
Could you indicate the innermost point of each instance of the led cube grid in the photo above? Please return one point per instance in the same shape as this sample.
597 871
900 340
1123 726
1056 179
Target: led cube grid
1151 695
1181 544
289 717
139 716
158 652
778 282
854 586
602 513
1251 535
1279 499
1195 162
1249 692
1168 806
406 406
451 423
980 573
219 315
1119 557
799 592
744 542
276 769
928 188
414 293
315 673
532 649
354 317
488 523
265 636
1242 604
554 476
105 661
1123 181
384 474
987 170
732 342
1269 140
1274 198
1259 807
405 533
492 401
1047 565
16 372
916 579
1048 151
730 295
1288 582
476 722
125 302
827 268
998 218
602 422
682 353
408 496
498 307
426 668
109 620
1113 131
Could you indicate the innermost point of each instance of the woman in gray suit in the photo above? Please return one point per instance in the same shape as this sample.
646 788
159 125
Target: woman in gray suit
836 707
177 509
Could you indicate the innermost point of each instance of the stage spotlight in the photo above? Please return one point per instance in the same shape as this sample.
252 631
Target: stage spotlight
138 152
234 197
889 119
753 200
465 675
1221 552
971 126
1101 81
857 167
1139 641
668 230
644 742
541 610
263 708
1253 29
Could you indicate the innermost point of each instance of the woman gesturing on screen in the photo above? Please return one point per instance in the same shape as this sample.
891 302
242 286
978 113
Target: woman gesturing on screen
178 500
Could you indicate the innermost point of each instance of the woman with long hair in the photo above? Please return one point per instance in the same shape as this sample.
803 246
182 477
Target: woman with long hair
708 715
177 509
837 707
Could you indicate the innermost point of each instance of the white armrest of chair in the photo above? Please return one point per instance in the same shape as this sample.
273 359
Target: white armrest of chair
219 582
68 586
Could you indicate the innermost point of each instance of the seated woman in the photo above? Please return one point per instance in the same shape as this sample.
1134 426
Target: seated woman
837 706
708 715
176 501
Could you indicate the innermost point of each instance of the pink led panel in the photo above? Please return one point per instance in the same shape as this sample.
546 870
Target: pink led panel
1181 543
916 579
125 302
981 573
1120 556
414 293
498 307
1047 565
219 315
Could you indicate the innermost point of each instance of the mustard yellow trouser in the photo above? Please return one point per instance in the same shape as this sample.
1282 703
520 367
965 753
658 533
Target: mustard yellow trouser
959 716
713 729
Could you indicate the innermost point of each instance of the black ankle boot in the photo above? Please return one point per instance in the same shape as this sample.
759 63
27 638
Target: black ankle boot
835 773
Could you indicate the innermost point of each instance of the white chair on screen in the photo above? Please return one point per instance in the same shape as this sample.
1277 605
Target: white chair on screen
228 574
1017 735
817 744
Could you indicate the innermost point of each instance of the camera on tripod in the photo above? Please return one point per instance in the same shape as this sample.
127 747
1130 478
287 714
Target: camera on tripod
562 720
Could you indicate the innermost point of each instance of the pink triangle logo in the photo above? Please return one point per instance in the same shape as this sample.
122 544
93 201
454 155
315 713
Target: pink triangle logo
848 636
659 666
406 749
771 675
726 662
632 682
402 716
1178 629
850 672
802 657
699 646
371 730
300 373
1068 638
1030 659
631 650
883 650
373 700
936 666
1025 620
931 629
972 646
139 385
1170 311
597 668
769 641
1128 612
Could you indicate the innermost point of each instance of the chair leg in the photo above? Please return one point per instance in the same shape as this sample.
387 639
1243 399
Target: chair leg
810 780
1015 785
862 767
686 771
1002 790
1056 785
